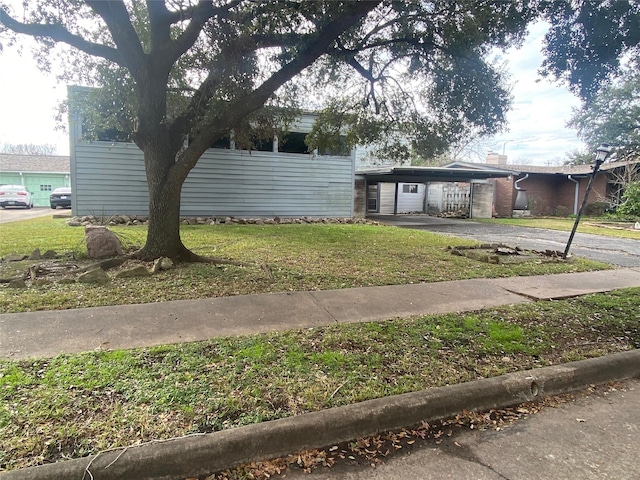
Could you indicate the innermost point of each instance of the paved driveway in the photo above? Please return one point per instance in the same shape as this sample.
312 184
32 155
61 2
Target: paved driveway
15 214
617 251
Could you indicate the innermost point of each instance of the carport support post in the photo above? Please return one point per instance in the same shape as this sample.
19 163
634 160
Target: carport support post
601 155
395 201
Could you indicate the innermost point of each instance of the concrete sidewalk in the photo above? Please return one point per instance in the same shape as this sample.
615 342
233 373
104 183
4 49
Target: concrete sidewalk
49 333
41 334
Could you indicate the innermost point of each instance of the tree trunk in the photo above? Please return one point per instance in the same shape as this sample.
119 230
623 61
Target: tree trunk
165 187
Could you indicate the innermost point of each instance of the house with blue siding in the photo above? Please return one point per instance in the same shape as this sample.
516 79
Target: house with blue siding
108 178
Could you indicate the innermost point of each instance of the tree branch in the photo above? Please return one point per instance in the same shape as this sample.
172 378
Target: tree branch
58 33
160 23
256 99
115 15
200 15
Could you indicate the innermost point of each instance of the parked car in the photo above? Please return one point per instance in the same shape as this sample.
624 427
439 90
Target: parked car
60 197
15 196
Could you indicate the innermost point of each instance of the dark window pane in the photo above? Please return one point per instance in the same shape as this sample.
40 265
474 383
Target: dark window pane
293 143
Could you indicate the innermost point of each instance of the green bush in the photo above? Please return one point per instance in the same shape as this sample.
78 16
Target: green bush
596 209
630 205
561 211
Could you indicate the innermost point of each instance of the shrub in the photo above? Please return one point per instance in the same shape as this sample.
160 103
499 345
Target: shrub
630 205
596 209
561 211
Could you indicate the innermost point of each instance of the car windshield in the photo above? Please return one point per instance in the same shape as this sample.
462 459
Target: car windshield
62 190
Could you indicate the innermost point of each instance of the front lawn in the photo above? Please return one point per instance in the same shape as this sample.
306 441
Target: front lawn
300 257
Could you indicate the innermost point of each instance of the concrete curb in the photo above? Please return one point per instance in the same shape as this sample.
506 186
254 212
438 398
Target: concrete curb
198 455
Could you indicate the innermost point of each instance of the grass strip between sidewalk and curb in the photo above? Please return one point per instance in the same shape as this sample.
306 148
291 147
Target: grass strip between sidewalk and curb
72 406
199 455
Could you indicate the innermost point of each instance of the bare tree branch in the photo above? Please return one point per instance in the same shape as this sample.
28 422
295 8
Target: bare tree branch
58 33
160 21
115 15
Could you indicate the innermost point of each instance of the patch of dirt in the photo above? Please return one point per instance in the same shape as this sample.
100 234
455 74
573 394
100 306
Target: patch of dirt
59 269
499 253
613 225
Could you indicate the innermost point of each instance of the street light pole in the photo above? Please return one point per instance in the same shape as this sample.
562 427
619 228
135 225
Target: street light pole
602 153
504 146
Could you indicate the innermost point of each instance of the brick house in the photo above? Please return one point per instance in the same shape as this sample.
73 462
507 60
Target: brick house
559 190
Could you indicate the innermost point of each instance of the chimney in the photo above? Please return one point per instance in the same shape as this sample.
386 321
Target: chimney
494 158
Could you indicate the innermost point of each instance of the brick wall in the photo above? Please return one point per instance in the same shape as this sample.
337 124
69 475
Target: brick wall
547 194
360 198
504 197
541 193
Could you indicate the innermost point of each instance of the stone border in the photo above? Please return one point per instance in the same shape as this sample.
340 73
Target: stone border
126 220
200 455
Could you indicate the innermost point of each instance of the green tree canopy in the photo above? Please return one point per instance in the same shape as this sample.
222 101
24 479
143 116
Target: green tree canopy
613 115
588 39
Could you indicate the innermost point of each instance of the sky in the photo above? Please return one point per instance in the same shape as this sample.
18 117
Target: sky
537 132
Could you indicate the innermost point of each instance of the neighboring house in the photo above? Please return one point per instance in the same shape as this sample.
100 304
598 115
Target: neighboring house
40 174
558 190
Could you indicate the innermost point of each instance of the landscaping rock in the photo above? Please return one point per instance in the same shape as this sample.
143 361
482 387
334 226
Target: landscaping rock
140 220
49 254
35 255
102 242
14 257
162 263
97 275
17 283
137 271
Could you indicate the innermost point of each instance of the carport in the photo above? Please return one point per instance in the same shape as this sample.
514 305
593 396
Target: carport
480 200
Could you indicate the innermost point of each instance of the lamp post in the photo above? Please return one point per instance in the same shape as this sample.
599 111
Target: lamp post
602 153
504 145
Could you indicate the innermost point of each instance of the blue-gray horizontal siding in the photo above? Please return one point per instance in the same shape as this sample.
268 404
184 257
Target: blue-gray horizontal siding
110 179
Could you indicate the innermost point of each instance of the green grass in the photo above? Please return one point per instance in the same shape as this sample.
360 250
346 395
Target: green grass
301 257
595 226
74 405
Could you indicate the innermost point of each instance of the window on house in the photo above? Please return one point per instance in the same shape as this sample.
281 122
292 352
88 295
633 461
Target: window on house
45 188
112 135
340 148
263 145
293 142
372 198
410 188
104 135
224 143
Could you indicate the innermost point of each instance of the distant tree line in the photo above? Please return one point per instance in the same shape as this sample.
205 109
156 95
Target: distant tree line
27 149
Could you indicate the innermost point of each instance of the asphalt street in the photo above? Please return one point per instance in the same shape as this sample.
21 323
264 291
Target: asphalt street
617 251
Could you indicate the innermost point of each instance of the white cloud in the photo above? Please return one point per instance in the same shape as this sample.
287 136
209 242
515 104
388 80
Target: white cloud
537 131
29 100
